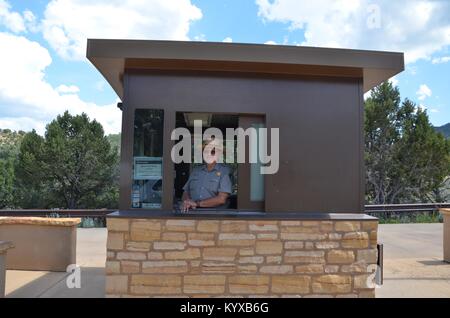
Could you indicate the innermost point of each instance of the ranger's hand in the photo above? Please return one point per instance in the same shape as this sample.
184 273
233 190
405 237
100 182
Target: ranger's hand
188 204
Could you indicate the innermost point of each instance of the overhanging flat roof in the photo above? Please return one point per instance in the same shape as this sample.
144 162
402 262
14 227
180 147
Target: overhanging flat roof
113 57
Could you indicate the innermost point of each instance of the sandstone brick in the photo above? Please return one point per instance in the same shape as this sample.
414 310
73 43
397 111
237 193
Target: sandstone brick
365 281
155 255
331 269
267 236
201 239
274 259
134 256
164 267
357 267
234 226
115 241
355 240
110 255
247 269
334 236
251 260
208 226
367 293
116 284
174 236
117 225
318 296
129 267
301 236
300 229
347 296
368 256
248 284
294 245
332 284
204 284
347 226
311 223
156 284
145 231
234 239
309 245
326 245
247 251
277 269
290 223
290 284
112 267
169 246
312 257
190 253
138 246
263 227
373 236
313 268
326 226
269 247
370 225
224 254
218 267
340 257
180 225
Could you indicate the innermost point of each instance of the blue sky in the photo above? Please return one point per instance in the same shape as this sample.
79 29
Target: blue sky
42 45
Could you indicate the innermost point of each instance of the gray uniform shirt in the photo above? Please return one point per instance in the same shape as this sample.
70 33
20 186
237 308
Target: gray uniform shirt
203 184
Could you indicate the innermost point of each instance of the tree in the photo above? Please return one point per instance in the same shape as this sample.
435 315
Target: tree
6 183
73 166
9 147
406 159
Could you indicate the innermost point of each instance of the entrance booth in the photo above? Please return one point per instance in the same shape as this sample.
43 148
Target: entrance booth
298 232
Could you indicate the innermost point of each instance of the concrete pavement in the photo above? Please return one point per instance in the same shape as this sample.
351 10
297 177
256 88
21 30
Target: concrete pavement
413 261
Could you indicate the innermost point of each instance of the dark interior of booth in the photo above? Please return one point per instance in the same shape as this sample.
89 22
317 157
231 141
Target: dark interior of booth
183 170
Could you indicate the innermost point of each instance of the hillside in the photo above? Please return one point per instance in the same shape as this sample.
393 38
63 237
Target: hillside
445 130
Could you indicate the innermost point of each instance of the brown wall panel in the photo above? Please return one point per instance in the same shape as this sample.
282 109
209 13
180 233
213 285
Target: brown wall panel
320 131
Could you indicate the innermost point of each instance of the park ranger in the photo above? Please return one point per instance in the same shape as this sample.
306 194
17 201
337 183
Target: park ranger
209 185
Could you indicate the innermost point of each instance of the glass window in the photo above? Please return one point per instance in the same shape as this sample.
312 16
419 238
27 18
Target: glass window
147 159
256 178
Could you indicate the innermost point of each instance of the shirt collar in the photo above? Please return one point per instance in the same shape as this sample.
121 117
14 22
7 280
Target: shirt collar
205 168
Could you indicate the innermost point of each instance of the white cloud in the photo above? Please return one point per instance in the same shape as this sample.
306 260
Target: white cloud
28 101
68 23
422 107
67 89
200 38
14 21
424 92
270 42
227 40
441 60
417 27
394 81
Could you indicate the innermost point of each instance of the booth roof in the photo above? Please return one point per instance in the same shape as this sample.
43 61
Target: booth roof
113 57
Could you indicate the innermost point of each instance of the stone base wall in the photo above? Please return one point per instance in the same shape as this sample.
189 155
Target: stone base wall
247 258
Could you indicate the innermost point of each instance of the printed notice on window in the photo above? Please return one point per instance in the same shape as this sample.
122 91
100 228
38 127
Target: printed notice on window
147 168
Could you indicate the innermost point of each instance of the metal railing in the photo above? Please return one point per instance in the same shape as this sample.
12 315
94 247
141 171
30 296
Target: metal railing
78 213
406 208
371 209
